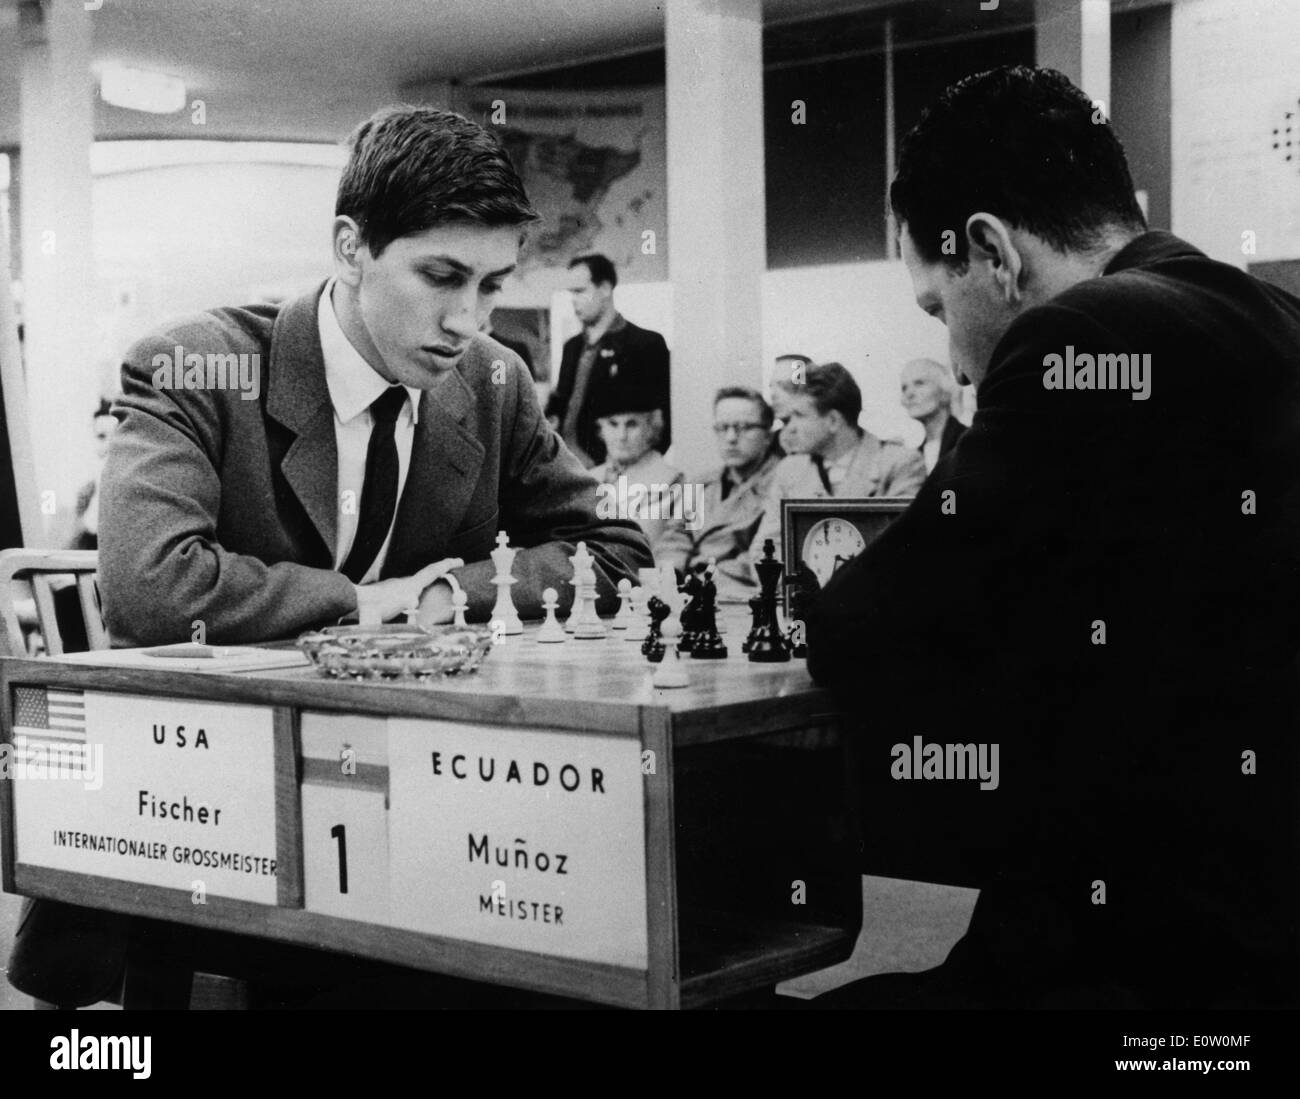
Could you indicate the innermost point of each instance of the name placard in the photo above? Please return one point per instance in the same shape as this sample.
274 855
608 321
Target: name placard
518 838
161 791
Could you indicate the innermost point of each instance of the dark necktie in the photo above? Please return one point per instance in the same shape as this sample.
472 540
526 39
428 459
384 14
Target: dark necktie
379 492
821 472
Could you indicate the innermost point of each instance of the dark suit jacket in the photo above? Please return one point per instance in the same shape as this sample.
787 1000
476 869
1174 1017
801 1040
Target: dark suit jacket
953 430
1172 523
626 351
225 510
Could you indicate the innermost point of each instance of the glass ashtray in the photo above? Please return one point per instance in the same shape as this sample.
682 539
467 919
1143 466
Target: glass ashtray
396 651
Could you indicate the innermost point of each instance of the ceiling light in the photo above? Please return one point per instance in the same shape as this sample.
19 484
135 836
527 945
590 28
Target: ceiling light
140 90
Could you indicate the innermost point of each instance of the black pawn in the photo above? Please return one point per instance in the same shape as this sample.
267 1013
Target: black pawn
652 648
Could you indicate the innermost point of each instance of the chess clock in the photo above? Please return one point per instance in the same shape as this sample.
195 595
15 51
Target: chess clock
821 535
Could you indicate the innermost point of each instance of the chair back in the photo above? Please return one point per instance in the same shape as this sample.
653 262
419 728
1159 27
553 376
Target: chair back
41 570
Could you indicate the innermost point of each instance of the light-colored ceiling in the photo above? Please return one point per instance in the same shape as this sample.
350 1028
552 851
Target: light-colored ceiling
310 69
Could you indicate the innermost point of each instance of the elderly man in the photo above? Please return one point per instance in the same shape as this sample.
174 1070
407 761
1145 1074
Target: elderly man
636 482
831 455
928 389
732 496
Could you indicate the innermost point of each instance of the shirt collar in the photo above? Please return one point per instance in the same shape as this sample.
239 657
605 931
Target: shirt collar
615 325
1148 248
353 383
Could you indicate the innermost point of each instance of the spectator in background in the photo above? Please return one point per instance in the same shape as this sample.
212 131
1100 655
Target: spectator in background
732 496
640 483
829 455
610 349
788 373
85 534
928 389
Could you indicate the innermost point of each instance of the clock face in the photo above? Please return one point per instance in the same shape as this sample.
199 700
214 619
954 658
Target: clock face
830 544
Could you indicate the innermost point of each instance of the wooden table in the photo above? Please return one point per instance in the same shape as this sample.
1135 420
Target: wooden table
692 838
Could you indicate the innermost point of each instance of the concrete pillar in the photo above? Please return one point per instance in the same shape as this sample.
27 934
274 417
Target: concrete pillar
1073 36
56 131
717 245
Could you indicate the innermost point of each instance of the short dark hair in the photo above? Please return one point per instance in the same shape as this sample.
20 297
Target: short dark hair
796 357
412 168
1020 143
832 388
600 268
744 393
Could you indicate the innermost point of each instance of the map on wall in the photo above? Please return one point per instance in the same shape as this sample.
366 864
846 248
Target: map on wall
594 166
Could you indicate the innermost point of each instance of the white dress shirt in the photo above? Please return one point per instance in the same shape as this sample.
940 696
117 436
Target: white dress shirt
354 386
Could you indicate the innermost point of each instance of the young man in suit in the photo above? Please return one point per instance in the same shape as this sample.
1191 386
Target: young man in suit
829 454
610 350
386 442
1124 513
355 450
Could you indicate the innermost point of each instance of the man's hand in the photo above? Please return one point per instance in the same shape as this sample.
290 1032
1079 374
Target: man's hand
436 607
386 599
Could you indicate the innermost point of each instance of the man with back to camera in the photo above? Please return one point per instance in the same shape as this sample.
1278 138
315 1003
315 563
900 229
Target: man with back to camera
1124 516
392 441
386 440
610 350
829 455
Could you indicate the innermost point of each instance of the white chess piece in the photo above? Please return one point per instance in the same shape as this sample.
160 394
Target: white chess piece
624 618
671 671
458 601
551 630
503 557
576 582
588 625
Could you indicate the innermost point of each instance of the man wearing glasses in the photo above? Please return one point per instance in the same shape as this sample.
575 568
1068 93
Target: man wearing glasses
732 496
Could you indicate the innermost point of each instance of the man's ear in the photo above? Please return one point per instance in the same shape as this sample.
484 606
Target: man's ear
347 247
989 239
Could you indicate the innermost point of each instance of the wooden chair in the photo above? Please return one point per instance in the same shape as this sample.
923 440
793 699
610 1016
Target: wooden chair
48 572
42 570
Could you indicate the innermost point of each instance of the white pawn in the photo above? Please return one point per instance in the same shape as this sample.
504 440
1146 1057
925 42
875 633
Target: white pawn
551 630
640 624
504 611
623 619
671 672
458 601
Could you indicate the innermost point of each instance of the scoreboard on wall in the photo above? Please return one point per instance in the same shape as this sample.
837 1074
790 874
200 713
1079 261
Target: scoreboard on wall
564 828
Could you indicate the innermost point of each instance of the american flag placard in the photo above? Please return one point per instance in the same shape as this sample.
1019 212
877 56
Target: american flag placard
50 713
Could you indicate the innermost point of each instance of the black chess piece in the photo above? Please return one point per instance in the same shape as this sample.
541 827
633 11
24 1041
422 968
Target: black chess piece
756 619
708 642
766 643
690 614
652 648
803 588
